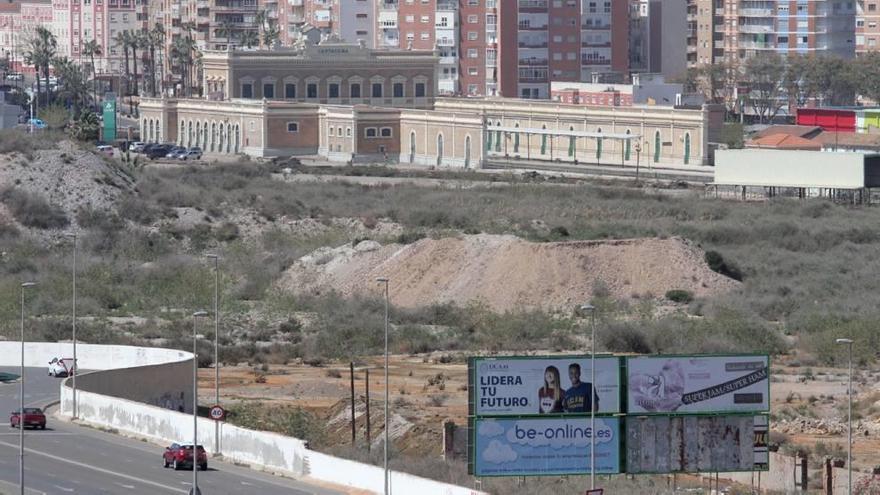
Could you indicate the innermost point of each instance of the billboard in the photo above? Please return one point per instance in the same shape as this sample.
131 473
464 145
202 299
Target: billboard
109 115
698 384
691 444
545 385
543 446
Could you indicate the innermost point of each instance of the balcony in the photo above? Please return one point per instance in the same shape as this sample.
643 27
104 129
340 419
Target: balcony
448 60
533 5
756 12
595 61
295 3
533 62
533 44
755 28
203 4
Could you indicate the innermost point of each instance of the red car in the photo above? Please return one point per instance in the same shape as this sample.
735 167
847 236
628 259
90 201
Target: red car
33 417
180 456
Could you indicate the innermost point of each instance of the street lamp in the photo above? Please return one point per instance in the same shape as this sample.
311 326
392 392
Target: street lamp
24 286
384 280
75 367
195 464
589 308
638 149
849 344
216 259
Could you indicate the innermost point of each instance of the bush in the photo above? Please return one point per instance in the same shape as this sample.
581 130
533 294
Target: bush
680 296
32 210
718 264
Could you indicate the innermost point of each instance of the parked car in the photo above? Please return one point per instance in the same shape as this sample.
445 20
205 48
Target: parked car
191 154
180 456
15 76
175 151
158 151
105 149
33 417
136 147
37 123
61 367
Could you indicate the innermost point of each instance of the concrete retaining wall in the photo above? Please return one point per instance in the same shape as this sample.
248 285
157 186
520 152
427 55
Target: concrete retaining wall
129 379
785 475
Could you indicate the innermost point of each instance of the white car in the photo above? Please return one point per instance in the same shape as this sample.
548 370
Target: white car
61 367
136 147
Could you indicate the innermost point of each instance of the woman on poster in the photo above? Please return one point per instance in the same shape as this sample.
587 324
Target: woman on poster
550 396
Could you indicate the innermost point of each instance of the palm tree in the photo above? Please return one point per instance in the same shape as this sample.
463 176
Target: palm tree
121 39
158 35
72 85
260 21
40 51
90 49
135 41
271 35
227 27
182 54
250 38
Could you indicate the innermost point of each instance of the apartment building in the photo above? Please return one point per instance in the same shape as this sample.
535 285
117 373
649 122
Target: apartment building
705 32
17 23
559 40
76 22
478 48
743 28
658 37
867 32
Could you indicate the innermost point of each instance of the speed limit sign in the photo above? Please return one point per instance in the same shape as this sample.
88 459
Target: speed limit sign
217 413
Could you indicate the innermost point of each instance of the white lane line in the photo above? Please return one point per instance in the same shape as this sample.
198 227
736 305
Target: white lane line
63 488
130 487
100 470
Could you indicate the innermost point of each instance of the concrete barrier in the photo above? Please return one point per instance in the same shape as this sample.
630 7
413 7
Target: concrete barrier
163 377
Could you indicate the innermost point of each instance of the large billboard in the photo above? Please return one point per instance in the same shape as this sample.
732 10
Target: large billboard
692 444
546 385
698 384
544 446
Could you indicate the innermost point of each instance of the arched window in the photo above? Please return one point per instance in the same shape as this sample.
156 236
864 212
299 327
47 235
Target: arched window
190 136
439 149
599 145
571 142
498 137
687 148
412 147
516 139
221 137
237 137
213 135
656 146
543 141
626 147
467 151
181 132
489 137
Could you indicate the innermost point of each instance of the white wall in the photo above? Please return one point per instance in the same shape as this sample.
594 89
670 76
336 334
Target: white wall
787 168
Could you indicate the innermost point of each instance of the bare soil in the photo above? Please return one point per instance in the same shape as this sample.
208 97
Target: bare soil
505 272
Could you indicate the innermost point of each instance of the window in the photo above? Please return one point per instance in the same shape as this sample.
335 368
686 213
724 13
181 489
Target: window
333 90
247 90
332 132
377 90
420 90
348 132
355 90
290 90
293 127
311 90
472 19
385 132
473 53
473 71
370 132
472 35
398 90
268 90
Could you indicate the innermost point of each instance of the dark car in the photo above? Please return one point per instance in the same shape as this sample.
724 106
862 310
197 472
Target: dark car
157 151
33 417
180 456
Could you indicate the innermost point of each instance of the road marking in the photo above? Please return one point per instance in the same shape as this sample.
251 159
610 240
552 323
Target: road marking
130 487
100 470
63 488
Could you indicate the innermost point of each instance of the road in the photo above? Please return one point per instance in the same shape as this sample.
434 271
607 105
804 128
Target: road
71 459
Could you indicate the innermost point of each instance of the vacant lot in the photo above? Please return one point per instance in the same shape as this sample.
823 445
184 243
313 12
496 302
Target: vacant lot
807 271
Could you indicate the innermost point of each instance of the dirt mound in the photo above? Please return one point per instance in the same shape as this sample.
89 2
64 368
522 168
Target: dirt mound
506 272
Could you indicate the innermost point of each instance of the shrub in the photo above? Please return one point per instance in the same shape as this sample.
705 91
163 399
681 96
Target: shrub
718 264
32 210
680 296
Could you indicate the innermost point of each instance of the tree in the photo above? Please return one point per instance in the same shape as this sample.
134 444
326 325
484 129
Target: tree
72 86
764 76
135 41
182 54
260 21
833 79
249 38
121 40
39 52
90 49
158 36
227 27
868 76
86 127
796 80
55 116
718 83
271 35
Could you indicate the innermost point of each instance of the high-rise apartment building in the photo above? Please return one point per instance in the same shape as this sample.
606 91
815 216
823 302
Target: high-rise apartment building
867 30
478 48
658 37
705 32
559 40
743 28
76 22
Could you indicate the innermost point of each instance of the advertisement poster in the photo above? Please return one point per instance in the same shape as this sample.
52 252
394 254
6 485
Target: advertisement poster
109 114
694 444
520 386
539 446
698 384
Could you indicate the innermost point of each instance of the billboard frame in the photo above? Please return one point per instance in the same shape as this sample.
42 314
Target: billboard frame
625 385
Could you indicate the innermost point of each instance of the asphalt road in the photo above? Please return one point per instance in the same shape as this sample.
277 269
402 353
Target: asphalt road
67 458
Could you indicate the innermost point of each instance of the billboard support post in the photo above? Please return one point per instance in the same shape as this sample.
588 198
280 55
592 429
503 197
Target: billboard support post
592 311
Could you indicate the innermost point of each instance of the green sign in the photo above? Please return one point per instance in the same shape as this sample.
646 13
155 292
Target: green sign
109 120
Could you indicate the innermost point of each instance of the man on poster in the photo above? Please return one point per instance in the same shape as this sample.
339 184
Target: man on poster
581 397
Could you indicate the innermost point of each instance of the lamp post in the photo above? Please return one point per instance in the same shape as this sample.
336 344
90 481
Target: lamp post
216 259
592 310
638 149
24 286
384 280
195 465
849 344
75 368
